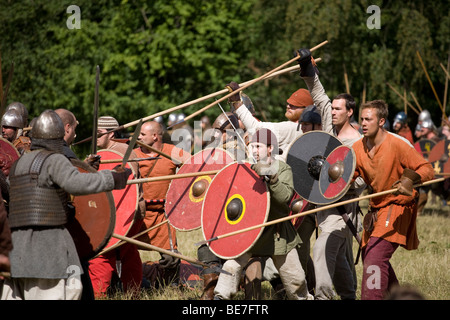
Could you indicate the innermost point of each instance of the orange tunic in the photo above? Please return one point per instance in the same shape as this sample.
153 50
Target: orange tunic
154 214
380 172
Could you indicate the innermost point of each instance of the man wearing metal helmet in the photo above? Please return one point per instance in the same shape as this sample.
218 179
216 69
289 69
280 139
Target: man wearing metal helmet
401 127
12 125
44 255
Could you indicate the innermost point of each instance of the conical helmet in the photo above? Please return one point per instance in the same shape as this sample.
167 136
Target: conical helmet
48 126
12 118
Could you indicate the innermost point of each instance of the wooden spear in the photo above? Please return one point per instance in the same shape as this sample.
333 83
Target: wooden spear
301 214
415 100
121 242
168 252
403 98
189 103
173 176
431 83
248 84
446 81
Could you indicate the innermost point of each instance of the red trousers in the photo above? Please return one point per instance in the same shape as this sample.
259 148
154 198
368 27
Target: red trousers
378 274
102 268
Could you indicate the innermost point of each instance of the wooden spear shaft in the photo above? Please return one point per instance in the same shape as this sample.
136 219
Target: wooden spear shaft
301 214
415 101
403 98
173 176
249 83
122 242
431 83
168 252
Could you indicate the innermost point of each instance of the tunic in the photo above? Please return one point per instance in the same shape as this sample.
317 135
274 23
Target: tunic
49 252
280 238
380 172
157 190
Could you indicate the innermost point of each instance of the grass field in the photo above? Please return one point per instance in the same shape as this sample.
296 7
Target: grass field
425 269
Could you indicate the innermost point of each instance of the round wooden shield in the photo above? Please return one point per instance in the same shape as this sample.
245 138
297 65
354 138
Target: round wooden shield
8 155
184 198
306 157
126 200
337 173
439 156
237 198
94 220
424 146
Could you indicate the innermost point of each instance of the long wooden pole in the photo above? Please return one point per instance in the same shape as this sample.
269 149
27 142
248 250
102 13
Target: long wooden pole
174 176
403 98
168 252
189 103
415 101
431 83
248 84
122 242
301 214
444 103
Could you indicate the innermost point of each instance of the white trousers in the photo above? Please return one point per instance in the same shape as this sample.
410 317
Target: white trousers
288 266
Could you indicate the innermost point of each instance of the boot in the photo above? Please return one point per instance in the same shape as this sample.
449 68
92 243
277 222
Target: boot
209 283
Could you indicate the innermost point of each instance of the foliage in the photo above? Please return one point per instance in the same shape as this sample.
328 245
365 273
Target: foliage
154 55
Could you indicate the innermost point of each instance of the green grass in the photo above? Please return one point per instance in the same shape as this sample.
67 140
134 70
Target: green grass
425 269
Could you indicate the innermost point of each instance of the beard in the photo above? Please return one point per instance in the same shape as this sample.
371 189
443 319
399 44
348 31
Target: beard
293 116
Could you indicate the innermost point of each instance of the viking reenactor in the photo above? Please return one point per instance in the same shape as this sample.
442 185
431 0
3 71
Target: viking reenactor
126 258
44 257
332 252
70 123
385 161
154 193
278 241
428 139
22 141
401 127
311 119
285 131
12 125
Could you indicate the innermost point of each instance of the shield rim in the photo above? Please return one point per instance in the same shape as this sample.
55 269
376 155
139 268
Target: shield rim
444 166
287 156
265 217
344 190
178 228
110 230
424 154
119 154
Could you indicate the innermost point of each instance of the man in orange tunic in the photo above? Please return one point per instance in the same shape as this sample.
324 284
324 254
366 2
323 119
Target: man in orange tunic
155 192
385 161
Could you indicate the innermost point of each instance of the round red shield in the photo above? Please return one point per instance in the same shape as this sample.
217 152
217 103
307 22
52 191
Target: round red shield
126 200
306 157
439 156
337 173
8 155
93 224
184 198
237 198
424 146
